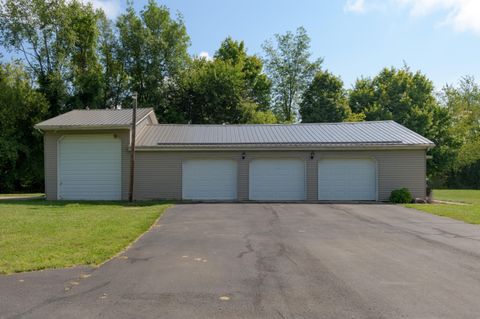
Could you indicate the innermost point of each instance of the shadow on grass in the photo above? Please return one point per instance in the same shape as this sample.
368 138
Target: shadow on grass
63 203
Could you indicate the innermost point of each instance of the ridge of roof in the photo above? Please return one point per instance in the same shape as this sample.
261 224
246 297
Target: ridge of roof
276 124
109 110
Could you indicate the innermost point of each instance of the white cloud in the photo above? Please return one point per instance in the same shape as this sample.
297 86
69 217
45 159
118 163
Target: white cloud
205 55
356 6
110 7
462 15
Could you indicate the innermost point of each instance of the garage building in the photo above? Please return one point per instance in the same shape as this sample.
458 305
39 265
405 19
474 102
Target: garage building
87 157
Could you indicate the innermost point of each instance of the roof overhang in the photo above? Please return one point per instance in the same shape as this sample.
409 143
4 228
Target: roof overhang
81 127
102 127
282 147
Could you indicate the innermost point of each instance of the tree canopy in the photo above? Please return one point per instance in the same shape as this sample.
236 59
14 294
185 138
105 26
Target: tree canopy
408 98
463 103
289 66
231 88
57 40
325 100
153 51
21 148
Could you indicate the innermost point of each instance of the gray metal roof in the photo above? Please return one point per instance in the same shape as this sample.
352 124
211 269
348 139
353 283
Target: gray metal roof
93 119
358 134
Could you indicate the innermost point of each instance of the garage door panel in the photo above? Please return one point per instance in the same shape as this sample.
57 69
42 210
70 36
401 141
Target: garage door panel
90 167
209 179
347 179
277 179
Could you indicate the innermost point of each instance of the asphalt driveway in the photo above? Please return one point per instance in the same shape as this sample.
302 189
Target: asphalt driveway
270 261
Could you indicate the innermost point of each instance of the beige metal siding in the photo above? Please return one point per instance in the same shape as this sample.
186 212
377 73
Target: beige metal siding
395 169
159 174
312 178
51 160
142 124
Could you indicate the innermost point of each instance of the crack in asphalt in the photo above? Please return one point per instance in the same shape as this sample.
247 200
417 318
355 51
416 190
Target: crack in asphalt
57 299
271 258
249 250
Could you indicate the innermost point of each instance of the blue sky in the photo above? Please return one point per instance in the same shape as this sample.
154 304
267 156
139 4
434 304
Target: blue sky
355 37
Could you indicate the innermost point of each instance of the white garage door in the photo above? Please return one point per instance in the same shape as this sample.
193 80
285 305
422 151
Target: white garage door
209 179
89 167
347 179
277 179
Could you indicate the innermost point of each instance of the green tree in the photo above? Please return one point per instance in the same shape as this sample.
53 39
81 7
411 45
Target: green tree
257 84
211 92
85 72
153 48
114 79
57 42
288 64
464 105
463 102
21 147
253 114
408 98
230 88
325 100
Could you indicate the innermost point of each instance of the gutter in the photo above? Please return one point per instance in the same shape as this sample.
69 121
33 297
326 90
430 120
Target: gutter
82 127
273 147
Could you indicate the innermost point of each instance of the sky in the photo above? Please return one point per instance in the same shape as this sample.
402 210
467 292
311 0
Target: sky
354 37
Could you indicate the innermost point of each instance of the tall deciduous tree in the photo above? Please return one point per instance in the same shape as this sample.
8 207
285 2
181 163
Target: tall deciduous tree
289 66
230 88
463 102
85 72
325 100
257 85
153 48
57 41
21 147
407 97
211 93
115 79
464 105
214 92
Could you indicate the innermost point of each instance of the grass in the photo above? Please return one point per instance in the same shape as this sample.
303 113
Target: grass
22 195
471 196
468 213
39 234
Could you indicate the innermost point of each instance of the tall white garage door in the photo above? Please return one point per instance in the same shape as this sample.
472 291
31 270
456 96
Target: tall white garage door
209 179
89 167
277 179
347 179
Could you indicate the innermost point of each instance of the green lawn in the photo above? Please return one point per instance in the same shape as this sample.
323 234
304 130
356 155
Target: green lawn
468 213
22 195
471 196
39 234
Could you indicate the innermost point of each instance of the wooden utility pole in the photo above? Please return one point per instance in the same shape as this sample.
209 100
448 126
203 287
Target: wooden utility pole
132 148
